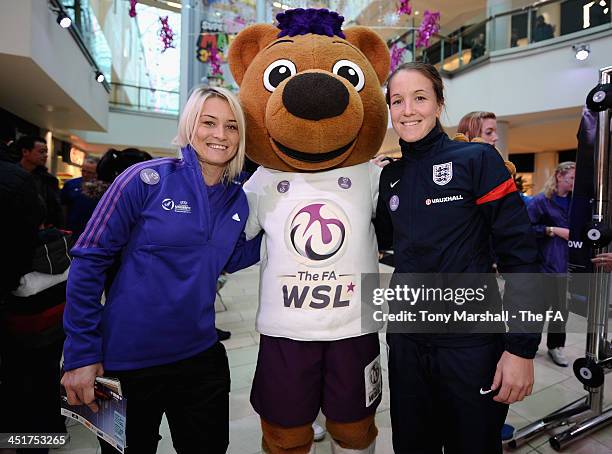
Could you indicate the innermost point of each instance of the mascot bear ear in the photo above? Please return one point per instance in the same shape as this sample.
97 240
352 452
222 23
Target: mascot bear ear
373 47
247 45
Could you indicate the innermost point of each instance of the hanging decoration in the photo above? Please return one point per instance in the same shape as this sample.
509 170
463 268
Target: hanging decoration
166 34
215 63
397 55
404 7
132 12
429 27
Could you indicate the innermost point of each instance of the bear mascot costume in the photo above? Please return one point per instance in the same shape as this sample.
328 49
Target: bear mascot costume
315 114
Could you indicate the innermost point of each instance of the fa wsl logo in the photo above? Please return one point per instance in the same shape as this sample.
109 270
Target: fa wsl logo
442 173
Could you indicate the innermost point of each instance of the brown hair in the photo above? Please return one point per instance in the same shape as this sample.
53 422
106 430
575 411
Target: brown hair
471 123
426 70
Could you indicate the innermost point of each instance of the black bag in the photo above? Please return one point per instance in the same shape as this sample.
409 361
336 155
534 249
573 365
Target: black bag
53 255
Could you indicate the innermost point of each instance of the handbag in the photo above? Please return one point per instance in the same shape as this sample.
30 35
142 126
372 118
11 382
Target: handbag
53 255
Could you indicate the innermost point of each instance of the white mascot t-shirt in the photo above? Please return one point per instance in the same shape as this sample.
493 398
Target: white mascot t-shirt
319 239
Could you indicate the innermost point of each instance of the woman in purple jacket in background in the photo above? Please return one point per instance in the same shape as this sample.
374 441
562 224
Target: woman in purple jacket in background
549 213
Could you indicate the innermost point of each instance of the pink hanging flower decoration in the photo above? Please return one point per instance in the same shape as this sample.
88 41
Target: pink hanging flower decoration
404 8
132 12
166 34
397 54
215 63
429 27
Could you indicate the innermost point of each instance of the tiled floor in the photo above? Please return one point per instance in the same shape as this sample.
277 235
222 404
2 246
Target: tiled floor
554 387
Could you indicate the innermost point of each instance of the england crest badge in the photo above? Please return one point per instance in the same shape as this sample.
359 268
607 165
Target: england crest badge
442 173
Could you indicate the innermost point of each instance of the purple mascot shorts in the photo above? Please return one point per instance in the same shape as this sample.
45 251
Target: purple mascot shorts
294 379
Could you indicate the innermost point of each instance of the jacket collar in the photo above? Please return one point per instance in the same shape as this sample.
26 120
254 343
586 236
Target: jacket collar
420 148
190 157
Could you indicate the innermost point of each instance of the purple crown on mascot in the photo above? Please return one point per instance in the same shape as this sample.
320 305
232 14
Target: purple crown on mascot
311 92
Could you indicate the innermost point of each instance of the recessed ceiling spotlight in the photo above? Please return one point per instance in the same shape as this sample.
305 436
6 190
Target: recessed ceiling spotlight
99 77
63 20
582 51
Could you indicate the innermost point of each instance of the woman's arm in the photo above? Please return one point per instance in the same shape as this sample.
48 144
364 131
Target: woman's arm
537 215
382 220
107 232
246 253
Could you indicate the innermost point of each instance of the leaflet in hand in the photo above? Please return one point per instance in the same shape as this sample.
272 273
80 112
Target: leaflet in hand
110 420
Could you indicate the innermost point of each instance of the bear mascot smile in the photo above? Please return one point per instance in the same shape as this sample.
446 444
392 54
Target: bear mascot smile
316 115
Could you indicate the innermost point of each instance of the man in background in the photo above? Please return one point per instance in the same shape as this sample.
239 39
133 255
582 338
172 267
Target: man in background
33 151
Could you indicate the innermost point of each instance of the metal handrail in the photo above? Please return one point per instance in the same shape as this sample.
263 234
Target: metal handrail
139 106
140 87
76 35
459 35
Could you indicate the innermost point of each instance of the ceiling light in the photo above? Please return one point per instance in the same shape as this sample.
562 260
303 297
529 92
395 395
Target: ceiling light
582 51
99 77
63 20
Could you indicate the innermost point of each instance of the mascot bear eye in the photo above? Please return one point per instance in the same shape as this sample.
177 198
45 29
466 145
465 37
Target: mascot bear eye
351 72
277 72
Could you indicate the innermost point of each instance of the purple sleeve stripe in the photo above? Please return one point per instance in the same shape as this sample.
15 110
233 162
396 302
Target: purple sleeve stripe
111 198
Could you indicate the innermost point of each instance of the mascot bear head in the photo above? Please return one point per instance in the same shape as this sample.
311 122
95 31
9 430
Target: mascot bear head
311 93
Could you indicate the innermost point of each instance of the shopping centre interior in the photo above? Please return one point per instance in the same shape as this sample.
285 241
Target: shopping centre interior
119 73
533 82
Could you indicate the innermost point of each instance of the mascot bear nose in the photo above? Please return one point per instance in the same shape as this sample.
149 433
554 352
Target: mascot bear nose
315 96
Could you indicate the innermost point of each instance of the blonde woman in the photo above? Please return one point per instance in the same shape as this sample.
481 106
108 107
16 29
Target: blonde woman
549 213
174 225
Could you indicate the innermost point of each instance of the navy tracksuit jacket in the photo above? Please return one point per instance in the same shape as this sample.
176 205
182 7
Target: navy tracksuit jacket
446 207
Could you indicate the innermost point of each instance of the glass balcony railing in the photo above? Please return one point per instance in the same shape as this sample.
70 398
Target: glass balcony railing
144 99
540 22
86 26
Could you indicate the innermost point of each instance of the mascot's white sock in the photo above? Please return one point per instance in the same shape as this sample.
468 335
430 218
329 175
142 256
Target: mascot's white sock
337 449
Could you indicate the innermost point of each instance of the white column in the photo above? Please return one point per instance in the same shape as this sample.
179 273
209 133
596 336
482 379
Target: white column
545 164
188 37
51 163
499 29
261 11
502 138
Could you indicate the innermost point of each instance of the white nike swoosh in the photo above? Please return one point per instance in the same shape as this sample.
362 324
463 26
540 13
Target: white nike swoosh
483 392
235 217
393 184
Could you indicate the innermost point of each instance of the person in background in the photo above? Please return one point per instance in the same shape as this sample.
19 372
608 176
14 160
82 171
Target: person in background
549 213
542 30
33 152
29 360
479 124
24 216
478 47
175 225
483 125
450 390
78 206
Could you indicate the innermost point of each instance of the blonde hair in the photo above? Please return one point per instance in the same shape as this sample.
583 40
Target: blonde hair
550 187
188 124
